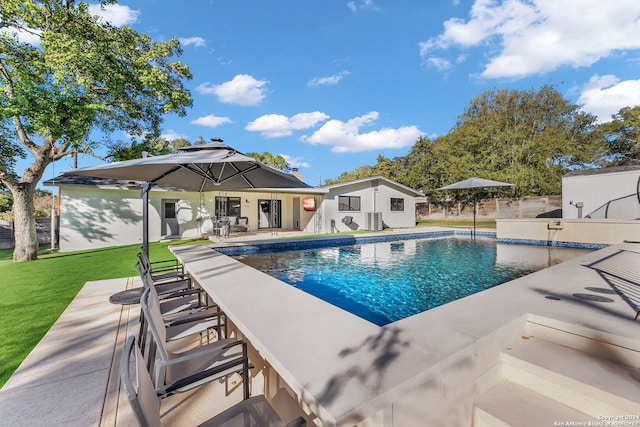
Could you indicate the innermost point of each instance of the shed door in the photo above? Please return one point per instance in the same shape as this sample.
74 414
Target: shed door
170 218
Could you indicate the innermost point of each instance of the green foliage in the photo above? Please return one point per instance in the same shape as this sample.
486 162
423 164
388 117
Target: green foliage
275 161
621 137
151 145
36 293
83 75
5 202
358 173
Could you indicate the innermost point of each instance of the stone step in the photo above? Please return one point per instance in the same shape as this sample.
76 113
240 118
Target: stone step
590 384
619 349
509 404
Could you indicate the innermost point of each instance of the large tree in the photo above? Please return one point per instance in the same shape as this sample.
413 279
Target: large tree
530 138
621 137
83 75
276 161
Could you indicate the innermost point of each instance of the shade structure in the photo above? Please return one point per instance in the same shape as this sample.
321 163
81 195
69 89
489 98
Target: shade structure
472 184
206 167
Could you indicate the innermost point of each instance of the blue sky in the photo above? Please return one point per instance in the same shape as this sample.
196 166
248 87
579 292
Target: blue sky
332 84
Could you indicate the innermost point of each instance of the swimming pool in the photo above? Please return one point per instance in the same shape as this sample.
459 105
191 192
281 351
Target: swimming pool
386 281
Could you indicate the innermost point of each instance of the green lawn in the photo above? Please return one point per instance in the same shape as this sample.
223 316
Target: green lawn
34 294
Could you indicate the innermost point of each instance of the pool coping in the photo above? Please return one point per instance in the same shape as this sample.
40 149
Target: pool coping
322 351
248 247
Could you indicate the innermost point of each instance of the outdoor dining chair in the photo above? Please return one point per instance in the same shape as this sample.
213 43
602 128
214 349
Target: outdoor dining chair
167 363
145 399
161 270
179 303
164 283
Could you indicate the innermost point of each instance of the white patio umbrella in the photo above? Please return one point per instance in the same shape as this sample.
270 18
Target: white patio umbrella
206 167
472 184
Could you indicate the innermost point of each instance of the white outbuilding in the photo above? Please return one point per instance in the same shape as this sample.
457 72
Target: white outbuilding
611 193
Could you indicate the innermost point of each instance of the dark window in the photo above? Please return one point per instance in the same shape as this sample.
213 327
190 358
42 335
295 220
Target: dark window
170 210
228 206
397 205
348 203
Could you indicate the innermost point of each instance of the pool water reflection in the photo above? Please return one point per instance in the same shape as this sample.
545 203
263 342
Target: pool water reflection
384 282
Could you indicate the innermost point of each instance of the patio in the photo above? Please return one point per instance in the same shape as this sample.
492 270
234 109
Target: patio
431 367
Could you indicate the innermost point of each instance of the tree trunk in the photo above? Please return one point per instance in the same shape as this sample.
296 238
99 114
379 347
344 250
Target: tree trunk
26 248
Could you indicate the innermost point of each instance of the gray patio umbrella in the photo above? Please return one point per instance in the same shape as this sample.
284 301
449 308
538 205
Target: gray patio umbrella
472 184
206 167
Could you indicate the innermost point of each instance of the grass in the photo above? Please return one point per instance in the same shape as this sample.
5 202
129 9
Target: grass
462 223
34 294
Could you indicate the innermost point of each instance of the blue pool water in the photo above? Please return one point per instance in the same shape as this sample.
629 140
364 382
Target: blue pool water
387 281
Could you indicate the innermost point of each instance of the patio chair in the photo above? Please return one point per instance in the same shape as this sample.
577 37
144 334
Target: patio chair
160 271
241 225
145 401
177 304
169 288
168 365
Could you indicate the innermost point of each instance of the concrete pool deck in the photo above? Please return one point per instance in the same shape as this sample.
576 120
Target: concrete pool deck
435 368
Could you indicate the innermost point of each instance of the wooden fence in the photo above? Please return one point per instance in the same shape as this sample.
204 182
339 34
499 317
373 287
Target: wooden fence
508 208
43 230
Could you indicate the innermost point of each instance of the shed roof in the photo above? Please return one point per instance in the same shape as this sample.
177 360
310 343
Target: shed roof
598 171
390 182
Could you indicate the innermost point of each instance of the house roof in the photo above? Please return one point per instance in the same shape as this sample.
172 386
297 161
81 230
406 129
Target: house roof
390 182
598 171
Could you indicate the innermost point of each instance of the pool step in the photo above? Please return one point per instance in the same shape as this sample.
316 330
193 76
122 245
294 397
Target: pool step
625 351
560 381
509 404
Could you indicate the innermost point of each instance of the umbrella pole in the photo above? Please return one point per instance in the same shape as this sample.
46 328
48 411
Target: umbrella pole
146 187
473 233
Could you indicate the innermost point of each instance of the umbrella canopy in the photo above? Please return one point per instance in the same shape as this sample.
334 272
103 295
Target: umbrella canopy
471 183
207 167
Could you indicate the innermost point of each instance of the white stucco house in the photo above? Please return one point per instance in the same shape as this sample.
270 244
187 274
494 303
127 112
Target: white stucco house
97 212
368 203
611 193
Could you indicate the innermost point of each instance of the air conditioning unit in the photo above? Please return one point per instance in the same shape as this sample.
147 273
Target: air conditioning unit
373 221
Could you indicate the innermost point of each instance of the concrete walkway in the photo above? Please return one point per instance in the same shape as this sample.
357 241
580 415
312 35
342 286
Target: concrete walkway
66 380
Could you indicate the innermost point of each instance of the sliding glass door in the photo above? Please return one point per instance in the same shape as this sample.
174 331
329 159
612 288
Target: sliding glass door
269 212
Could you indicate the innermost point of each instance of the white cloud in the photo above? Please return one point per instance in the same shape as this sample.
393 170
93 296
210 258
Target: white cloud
277 125
441 64
115 14
346 136
605 95
328 80
196 41
171 134
363 4
537 36
296 162
211 121
243 89
28 36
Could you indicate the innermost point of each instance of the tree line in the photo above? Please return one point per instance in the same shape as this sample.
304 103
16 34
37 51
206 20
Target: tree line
529 138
